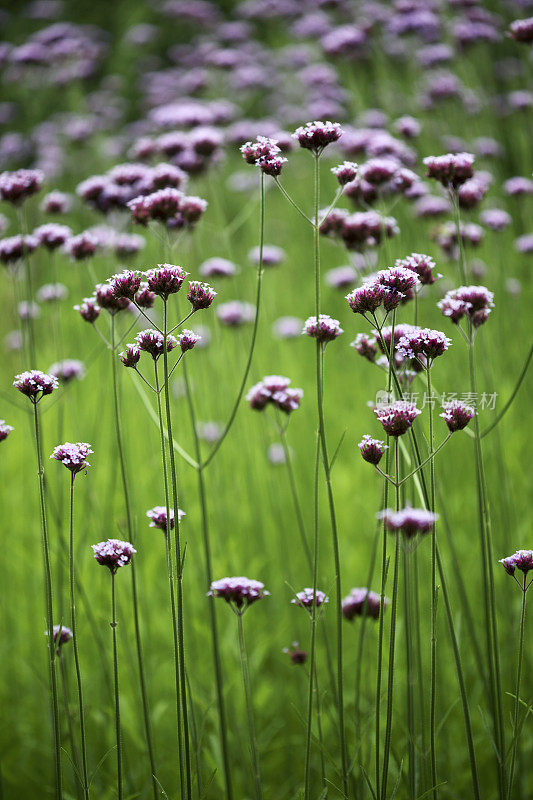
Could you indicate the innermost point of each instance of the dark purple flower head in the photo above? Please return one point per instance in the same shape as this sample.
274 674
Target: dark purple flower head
13 248
262 148
408 126
88 309
62 635
423 265
366 229
522 560
73 456
366 299
130 356
126 284
128 244
366 346
296 655
272 255
52 235
377 171
397 417
56 203
345 172
161 205
307 599
271 166
362 602
474 302
192 208
152 342
68 370
165 279
325 329
423 342
518 186
451 169
144 297
409 521
16 187
187 340
275 389
239 592
315 136
82 246
158 517
200 295
472 192
371 449
5 430
106 298
521 30
457 415
35 384
399 279
113 553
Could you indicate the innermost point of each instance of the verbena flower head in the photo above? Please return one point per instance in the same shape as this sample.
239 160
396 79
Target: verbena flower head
521 30
82 246
372 450
271 166
275 390
235 313
158 517
187 340
272 255
457 415
52 292
474 302
73 456
61 635
144 297
423 265
217 268
522 560
366 299
162 205
165 279
5 430
397 417
262 148
307 599
13 248
345 172
152 342
130 357
399 279
341 277
200 295
52 235
18 186
366 346
423 342
315 136
56 203
106 298
409 521
362 602
296 655
113 553
88 309
126 284
35 384
239 592
325 329
68 370
451 169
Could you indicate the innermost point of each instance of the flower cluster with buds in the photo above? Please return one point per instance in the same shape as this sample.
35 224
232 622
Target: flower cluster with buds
473 302
18 186
61 635
274 389
265 154
35 384
307 598
521 560
158 517
324 330
73 456
362 602
409 521
315 136
457 415
113 553
451 169
239 593
397 417
372 450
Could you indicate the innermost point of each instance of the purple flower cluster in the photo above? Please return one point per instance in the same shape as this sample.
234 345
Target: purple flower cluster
372 450
451 169
423 344
14 248
307 599
345 172
276 390
52 235
113 553
522 560
239 592
153 342
35 384
165 279
73 456
362 602
265 154
200 295
409 521
366 346
324 330
158 517
88 309
473 302
16 187
169 206
397 417
423 265
5 430
315 136
457 415
61 635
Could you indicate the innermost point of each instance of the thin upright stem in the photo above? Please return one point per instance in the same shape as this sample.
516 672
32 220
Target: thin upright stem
250 711
131 537
29 290
433 685
178 565
517 691
168 550
70 724
49 609
294 492
223 731
84 772
118 735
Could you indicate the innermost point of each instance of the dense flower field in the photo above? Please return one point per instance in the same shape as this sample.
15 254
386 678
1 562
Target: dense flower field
265 280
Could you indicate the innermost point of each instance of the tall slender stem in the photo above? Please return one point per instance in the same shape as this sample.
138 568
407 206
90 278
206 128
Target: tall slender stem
211 600
29 290
517 691
294 492
85 776
118 735
68 712
49 610
433 686
135 602
178 565
250 711
168 550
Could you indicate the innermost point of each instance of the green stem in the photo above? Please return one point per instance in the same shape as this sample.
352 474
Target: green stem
178 566
170 571
517 693
29 290
135 602
75 756
433 687
250 711
117 696
49 609
223 731
294 493
85 776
